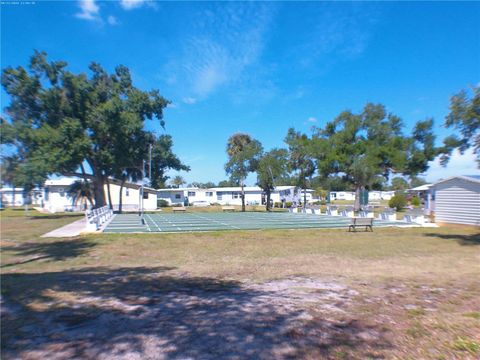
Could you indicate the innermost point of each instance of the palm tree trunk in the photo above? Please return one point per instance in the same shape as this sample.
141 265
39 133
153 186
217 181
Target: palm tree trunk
242 195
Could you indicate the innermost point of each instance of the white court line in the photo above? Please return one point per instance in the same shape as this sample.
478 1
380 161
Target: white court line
154 222
172 224
209 219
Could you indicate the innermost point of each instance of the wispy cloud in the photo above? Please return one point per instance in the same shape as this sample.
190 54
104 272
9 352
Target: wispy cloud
112 20
335 35
225 40
135 4
189 100
89 10
312 119
458 165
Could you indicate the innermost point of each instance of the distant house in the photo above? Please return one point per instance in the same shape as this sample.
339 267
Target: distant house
372 195
17 196
456 200
57 199
254 195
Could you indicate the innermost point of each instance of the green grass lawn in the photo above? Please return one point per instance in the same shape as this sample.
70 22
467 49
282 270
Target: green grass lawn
394 293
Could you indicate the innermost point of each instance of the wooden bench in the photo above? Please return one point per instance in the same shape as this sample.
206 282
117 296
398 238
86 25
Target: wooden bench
228 208
179 209
367 222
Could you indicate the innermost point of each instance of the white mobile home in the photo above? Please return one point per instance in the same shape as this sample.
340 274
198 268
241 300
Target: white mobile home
456 200
373 195
254 195
57 199
17 196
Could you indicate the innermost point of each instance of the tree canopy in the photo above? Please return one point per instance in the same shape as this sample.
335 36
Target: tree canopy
300 159
464 116
272 166
369 146
243 153
59 121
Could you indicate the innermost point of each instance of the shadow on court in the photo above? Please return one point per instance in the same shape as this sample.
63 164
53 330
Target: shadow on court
145 312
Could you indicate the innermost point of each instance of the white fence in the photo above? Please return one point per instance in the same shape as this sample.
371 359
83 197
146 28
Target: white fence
97 217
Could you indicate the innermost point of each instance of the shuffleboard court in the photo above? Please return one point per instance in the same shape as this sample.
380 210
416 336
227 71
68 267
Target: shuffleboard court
193 222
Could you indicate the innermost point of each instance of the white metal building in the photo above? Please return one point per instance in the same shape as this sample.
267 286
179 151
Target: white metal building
457 200
254 195
372 195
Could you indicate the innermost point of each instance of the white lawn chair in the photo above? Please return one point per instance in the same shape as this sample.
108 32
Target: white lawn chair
332 211
416 217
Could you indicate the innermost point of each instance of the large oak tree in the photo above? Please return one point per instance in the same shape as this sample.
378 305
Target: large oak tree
371 145
58 121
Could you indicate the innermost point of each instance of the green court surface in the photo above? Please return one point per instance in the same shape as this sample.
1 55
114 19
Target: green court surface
190 221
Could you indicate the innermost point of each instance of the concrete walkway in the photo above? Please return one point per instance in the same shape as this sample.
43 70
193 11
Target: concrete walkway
70 230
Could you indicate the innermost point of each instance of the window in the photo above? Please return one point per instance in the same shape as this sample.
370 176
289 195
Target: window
191 193
177 196
209 194
219 195
145 195
235 195
127 191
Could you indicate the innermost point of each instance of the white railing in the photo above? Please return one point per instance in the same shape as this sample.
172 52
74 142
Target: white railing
97 217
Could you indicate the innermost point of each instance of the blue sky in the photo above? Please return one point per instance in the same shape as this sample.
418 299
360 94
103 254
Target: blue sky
262 67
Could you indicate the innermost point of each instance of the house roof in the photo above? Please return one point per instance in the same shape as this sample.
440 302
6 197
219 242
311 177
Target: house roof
423 187
228 188
472 178
180 189
67 181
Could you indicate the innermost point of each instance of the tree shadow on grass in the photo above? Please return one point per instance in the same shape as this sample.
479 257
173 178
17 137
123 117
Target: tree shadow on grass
472 239
53 251
155 313
52 217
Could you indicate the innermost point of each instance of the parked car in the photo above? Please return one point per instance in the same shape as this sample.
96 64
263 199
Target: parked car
201 203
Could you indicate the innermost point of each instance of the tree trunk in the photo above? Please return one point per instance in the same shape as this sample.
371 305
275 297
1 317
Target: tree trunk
358 189
109 194
98 183
242 195
120 201
268 200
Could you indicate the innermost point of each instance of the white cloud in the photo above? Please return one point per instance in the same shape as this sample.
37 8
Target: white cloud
225 40
89 10
134 4
311 119
112 20
189 100
458 165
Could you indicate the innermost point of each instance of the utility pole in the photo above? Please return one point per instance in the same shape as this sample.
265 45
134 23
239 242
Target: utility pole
150 166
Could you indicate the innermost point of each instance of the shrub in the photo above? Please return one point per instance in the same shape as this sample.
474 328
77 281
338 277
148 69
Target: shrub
398 202
415 201
288 204
162 203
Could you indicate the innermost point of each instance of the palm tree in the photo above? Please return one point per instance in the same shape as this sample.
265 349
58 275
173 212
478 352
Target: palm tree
243 153
81 191
177 181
